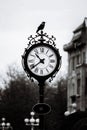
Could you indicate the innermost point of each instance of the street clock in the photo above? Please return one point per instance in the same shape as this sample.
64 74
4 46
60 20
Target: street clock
41 59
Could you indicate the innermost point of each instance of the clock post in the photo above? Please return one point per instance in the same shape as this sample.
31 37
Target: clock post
41 100
41 60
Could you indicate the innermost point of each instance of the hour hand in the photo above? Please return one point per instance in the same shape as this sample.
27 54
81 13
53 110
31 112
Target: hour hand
41 61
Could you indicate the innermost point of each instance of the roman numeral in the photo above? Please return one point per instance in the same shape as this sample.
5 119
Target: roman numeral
32 55
36 51
31 66
47 51
52 60
47 70
50 66
42 49
31 61
51 55
36 70
41 72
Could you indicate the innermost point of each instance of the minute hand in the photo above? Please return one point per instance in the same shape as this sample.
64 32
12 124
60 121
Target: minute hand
41 61
38 56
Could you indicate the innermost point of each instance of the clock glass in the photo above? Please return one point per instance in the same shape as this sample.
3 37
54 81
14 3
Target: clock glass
42 60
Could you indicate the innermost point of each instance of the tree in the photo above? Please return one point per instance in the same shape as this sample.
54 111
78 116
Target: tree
20 95
57 98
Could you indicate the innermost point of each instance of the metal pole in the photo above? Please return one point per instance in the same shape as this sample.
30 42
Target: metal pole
41 93
41 100
32 127
3 128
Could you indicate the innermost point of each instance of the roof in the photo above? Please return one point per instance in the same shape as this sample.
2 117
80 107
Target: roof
68 46
75 42
81 26
86 21
76 37
78 28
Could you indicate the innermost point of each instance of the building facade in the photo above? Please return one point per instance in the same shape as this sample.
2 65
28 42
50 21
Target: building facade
77 68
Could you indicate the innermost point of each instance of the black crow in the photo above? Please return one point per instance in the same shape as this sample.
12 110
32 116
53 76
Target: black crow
41 27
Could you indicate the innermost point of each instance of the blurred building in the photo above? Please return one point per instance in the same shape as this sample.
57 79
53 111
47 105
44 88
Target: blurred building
77 68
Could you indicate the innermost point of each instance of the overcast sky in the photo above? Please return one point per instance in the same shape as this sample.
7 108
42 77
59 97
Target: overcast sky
20 18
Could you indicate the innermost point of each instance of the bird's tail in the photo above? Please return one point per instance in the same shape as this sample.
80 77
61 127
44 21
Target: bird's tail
37 31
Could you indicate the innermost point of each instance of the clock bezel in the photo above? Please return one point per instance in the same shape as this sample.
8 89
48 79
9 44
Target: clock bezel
25 64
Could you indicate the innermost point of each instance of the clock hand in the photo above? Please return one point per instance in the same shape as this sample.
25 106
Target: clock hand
41 61
38 56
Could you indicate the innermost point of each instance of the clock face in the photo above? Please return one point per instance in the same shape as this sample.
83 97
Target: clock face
41 60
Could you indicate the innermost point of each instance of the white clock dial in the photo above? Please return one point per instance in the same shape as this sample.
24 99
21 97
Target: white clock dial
42 60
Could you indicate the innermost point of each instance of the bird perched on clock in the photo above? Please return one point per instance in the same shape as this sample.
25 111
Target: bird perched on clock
40 27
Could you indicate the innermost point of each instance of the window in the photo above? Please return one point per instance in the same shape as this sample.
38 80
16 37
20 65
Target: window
73 63
78 59
84 57
73 98
78 86
85 86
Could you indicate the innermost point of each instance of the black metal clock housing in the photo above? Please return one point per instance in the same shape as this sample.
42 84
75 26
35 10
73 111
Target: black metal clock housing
41 60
